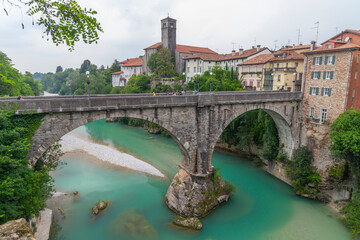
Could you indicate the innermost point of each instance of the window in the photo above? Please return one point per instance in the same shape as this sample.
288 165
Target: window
194 69
358 59
279 78
323 114
209 68
328 46
296 64
317 60
355 75
164 25
315 75
237 69
278 65
200 69
326 92
328 75
171 25
353 93
314 90
188 69
312 112
329 60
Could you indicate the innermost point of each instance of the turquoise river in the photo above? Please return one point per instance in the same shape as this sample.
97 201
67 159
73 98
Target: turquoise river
262 208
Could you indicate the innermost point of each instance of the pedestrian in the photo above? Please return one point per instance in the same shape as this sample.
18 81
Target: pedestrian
20 98
154 94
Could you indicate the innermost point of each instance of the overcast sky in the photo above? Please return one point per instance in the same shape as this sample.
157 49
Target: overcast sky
132 25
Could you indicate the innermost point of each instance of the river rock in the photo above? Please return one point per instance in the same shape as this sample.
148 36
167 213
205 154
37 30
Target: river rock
192 196
223 199
99 207
17 229
192 223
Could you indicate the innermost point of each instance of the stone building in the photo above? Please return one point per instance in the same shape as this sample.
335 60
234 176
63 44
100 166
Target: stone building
130 67
197 64
168 40
251 72
330 86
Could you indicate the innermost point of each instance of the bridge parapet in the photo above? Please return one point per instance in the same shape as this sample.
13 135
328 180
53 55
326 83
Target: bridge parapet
115 102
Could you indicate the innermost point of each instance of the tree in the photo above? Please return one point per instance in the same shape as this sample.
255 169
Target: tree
162 63
62 20
59 69
345 137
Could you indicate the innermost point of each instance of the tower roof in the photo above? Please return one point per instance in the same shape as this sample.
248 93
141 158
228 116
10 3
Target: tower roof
168 18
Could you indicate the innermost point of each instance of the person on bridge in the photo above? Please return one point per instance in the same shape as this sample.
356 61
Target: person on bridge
20 98
154 94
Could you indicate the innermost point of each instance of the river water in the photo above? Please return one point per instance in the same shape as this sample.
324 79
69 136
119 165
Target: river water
261 208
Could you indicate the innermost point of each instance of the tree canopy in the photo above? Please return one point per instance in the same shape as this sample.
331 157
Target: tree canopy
64 21
162 63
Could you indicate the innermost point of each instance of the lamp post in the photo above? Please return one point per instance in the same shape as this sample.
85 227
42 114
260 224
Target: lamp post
198 81
210 80
88 83
183 82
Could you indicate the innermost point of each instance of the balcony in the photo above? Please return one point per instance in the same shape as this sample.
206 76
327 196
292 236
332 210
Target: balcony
285 69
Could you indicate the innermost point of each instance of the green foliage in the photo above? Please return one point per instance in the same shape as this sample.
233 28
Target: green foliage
13 83
345 137
338 173
65 21
23 190
229 187
162 63
254 127
301 172
221 80
137 84
352 214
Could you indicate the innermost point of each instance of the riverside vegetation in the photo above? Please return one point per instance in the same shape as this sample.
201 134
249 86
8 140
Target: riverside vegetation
23 189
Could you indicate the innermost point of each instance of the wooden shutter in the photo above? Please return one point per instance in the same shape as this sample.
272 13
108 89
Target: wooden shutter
320 61
333 60
322 91
329 92
310 90
324 74
317 91
318 75
312 75
326 60
314 60
331 74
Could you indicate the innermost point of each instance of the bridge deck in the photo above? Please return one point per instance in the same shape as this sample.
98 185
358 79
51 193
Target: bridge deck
128 101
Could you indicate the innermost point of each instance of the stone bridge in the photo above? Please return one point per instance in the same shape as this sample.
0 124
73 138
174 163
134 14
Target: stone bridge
195 122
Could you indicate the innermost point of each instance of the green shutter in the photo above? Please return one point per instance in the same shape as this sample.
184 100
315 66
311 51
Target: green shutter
333 60
331 74
310 90
322 91
324 74
312 75
314 60
326 60
319 75
329 92
320 61
317 91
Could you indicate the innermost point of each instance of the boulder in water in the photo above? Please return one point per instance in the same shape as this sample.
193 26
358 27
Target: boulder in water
16 229
192 223
99 207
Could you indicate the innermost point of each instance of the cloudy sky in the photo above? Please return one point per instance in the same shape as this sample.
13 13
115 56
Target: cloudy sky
132 25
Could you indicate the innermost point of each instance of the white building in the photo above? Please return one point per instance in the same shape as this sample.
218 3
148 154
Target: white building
199 63
130 67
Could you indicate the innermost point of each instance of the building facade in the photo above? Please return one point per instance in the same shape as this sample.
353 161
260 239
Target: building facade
130 67
199 63
251 72
331 84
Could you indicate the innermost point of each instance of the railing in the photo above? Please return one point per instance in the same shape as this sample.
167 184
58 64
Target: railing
131 101
285 69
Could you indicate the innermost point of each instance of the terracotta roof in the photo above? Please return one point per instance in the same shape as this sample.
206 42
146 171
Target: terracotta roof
347 46
156 45
123 61
261 59
191 49
168 18
133 62
225 57
288 56
357 32
115 73
297 47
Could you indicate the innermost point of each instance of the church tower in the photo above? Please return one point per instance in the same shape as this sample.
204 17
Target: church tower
168 34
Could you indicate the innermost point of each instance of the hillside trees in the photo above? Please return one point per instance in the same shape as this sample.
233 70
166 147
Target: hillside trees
13 83
162 63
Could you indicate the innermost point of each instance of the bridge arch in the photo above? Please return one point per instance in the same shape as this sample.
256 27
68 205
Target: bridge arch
56 125
283 123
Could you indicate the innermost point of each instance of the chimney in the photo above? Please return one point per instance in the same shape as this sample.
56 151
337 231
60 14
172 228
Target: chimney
258 48
241 51
312 45
252 47
233 52
293 45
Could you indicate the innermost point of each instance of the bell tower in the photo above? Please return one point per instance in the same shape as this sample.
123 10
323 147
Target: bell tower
168 34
